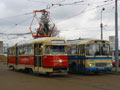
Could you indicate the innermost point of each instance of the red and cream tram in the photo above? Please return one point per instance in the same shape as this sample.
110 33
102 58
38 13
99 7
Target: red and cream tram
47 54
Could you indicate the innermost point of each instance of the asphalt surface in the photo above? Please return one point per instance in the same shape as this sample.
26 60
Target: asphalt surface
16 80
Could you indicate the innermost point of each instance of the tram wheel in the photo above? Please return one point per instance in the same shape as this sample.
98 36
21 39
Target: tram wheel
96 73
73 68
11 68
28 70
48 74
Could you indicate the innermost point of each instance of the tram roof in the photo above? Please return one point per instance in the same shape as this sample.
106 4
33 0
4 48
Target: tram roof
77 42
38 40
45 39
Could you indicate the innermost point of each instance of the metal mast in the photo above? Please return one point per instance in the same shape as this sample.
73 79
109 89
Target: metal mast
101 25
116 36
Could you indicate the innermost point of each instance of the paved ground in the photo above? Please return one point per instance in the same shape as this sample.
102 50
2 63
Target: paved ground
14 80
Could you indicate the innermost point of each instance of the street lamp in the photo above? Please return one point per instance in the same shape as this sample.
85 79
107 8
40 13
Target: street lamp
101 25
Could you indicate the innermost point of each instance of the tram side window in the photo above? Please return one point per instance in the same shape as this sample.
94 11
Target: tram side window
11 51
8 52
38 49
68 49
35 48
20 50
72 49
105 50
25 50
92 49
29 49
119 53
47 50
81 49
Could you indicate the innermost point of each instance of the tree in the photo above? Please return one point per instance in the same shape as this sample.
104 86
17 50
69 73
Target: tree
55 32
47 27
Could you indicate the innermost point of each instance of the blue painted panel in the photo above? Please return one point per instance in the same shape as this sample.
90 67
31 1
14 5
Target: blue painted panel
97 58
78 68
76 57
73 57
98 69
83 58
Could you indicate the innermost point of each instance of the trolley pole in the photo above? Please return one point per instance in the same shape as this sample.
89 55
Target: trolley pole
116 37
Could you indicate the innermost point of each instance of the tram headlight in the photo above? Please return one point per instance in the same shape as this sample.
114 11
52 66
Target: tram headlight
60 61
91 64
110 64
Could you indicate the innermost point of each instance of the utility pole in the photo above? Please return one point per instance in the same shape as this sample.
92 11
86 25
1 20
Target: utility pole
116 36
101 25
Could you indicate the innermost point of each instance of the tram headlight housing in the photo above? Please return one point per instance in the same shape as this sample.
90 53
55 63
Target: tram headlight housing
91 64
110 64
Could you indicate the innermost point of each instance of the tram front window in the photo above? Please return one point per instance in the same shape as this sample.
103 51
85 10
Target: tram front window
97 49
55 50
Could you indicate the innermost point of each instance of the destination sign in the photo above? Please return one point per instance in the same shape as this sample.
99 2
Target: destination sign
57 41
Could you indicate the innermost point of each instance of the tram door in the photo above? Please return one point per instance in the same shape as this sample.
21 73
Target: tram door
16 55
38 56
82 57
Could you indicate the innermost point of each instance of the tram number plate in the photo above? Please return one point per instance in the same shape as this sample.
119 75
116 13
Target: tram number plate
101 68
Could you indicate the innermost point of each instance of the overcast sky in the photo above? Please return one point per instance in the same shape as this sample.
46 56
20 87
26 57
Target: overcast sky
74 18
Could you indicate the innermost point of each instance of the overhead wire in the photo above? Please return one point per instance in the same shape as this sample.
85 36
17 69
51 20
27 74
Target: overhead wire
17 25
61 1
41 2
50 6
16 16
68 3
84 11
105 1
79 3
58 4
9 21
29 18
46 3
38 1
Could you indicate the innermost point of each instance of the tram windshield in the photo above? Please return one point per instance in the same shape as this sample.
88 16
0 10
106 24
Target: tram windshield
55 50
97 49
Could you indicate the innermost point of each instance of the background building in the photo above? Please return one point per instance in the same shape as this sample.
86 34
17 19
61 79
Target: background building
112 43
3 56
1 47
